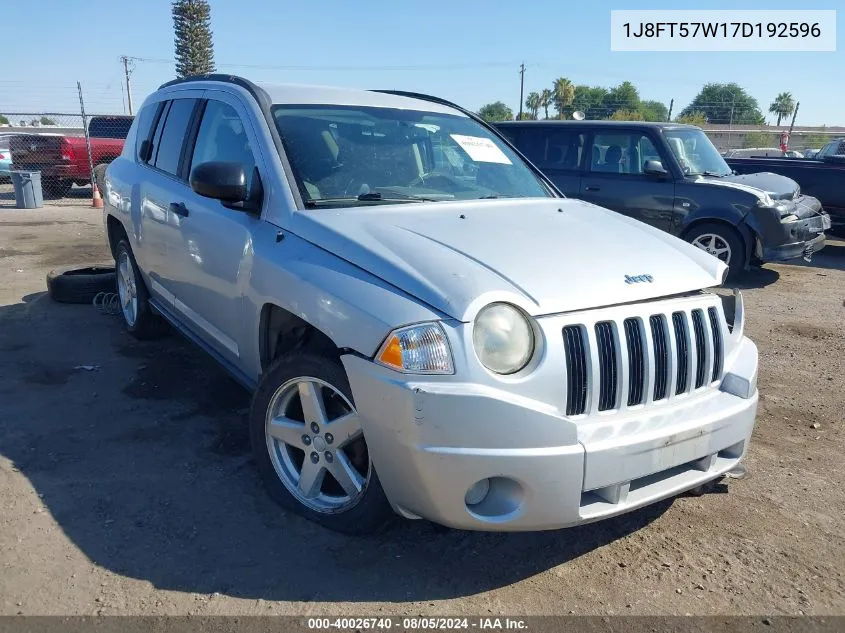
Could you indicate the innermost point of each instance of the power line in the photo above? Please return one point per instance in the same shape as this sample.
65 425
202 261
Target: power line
364 67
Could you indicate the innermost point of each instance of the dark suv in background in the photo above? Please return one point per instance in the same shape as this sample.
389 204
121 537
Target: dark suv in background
672 177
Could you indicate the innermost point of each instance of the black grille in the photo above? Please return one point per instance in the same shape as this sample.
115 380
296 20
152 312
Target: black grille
717 343
576 369
679 323
607 365
700 348
636 361
661 355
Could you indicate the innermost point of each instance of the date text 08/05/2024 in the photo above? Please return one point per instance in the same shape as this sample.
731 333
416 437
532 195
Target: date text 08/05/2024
417 623
722 29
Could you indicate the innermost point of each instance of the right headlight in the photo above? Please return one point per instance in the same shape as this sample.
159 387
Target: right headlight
503 338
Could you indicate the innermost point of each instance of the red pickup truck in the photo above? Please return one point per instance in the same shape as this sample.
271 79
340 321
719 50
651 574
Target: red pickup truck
63 159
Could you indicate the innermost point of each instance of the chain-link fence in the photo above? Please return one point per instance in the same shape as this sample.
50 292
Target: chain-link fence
69 145
56 145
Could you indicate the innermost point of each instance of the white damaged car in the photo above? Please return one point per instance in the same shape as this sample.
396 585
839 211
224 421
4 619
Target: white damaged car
428 328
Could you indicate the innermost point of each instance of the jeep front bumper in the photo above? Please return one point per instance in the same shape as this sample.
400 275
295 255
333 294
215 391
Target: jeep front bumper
432 442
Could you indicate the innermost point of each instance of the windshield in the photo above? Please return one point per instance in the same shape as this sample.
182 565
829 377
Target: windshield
695 153
351 155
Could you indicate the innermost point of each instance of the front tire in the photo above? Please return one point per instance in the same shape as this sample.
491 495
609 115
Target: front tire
723 242
310 449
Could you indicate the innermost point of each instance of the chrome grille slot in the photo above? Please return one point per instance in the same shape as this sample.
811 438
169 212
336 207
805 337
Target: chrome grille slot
679 322
700 348
636 361
608 373
576 369
661 355
717 343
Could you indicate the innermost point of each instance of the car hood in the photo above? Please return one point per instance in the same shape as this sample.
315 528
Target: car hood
544 255
778 187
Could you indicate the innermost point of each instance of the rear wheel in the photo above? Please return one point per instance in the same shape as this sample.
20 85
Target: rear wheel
310 449
140 320
723 242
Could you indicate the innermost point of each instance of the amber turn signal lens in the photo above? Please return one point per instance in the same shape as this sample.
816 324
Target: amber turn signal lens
391 354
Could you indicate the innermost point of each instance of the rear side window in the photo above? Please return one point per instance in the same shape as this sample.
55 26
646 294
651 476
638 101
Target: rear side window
174 131
146 118
109 126
552 148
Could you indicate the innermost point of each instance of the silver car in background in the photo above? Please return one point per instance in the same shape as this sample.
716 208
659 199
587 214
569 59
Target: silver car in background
428 327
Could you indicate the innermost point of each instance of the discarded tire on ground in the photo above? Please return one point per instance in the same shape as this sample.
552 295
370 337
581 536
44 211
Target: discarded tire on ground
80 285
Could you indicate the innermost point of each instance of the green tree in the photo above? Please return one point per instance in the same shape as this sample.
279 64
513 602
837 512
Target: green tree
46 121
654 111
497 111
194 46
696 117
759 138
564 93
625 96
589 101
782 106
532 102
3 120
726 103
546 100
626 115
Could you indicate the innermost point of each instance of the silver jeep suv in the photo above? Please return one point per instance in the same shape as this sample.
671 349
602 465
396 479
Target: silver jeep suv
428 327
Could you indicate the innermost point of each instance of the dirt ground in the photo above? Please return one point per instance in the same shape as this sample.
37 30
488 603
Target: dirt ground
129 489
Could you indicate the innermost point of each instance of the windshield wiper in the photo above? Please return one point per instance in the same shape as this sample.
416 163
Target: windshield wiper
376 196
713 174
372 196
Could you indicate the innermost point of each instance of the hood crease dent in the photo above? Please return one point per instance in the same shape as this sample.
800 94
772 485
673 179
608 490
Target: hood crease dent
544 255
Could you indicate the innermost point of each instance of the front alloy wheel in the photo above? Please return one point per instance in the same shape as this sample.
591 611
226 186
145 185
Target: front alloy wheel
715 245
309 445
315 442
722 242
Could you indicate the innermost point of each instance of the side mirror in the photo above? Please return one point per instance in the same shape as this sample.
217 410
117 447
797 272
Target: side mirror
654 168
219 180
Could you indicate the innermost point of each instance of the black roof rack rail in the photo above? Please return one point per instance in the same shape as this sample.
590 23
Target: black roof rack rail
477 119
257 92
424 97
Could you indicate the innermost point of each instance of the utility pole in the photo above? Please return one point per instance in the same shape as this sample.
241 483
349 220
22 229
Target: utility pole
127 71
671 105
794 114
521 89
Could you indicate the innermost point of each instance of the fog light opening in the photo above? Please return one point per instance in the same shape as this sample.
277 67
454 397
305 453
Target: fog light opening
477 492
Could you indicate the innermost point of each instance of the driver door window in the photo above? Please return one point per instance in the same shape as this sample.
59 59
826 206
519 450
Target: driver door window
222 137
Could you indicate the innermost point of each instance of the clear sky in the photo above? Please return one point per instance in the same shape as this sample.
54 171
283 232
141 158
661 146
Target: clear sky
464 50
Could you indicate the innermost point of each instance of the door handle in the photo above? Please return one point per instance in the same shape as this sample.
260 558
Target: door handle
179 208
592 188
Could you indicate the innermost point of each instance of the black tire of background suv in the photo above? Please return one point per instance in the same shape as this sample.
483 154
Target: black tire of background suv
100 177
80 285
731 236
372 514
148 325
53 189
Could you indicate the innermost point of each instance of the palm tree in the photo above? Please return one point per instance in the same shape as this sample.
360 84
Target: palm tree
532 102
783 105
564 94
546 100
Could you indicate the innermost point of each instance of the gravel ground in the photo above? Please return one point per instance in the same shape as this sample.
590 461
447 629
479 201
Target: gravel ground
129 489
